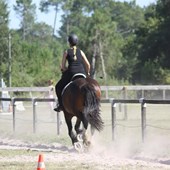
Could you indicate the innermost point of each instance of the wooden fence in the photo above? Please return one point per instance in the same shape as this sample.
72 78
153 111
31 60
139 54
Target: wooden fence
143 103
34 103
105 89
106 99
145 88
113 102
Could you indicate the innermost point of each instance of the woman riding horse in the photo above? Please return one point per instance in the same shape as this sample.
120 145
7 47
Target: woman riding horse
77 96
76 62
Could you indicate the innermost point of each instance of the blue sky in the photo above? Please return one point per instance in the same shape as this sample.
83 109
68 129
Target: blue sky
49 18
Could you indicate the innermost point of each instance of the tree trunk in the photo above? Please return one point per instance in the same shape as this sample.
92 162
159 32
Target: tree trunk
102 60
93 64
24 25
55 20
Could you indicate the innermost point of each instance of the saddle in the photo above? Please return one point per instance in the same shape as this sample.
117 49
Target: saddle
76 76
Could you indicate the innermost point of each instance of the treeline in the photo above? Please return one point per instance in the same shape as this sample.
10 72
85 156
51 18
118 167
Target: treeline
125 44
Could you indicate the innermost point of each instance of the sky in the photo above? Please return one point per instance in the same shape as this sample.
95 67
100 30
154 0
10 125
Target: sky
49 18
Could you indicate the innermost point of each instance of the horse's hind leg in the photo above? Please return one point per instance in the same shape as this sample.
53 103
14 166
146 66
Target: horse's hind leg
69 125
92 130
85 136
77 126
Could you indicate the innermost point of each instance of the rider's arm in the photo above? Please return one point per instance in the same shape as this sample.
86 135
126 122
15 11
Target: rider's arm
63 64
86 62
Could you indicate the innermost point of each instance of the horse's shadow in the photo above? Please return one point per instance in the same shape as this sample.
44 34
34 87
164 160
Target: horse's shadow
53 148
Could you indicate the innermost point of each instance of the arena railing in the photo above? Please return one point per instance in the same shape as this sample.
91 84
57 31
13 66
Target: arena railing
113 103
105 89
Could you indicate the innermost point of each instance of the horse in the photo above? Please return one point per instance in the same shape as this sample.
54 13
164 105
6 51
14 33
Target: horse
81 99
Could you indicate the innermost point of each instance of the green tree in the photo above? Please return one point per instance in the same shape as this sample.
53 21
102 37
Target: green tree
35 53
4 45
35 63
26 11
152 42
46 4
104 27
120 39
92 22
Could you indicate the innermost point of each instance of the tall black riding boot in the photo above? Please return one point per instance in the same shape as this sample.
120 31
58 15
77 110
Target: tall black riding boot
59 105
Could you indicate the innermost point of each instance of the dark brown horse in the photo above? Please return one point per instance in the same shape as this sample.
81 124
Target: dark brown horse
81 98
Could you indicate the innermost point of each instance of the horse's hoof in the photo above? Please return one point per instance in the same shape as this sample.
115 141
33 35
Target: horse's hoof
80 137
87 144
79 146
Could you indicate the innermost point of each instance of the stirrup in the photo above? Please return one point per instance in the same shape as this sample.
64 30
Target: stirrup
58 108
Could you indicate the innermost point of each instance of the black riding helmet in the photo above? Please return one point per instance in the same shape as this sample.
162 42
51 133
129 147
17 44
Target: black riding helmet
73 39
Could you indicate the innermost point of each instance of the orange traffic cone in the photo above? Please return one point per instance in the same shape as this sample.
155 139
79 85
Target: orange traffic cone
41 165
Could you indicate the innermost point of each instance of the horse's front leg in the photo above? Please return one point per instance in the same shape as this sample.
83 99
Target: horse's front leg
70 128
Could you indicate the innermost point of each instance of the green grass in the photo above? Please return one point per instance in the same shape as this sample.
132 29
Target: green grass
13 153
77 166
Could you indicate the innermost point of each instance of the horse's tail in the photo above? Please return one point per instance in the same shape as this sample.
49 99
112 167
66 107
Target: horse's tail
92 107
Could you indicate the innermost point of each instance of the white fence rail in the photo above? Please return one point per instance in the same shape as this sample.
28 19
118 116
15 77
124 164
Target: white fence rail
124 90
145 88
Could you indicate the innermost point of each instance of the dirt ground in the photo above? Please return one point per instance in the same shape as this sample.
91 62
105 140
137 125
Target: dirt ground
99 156
123 154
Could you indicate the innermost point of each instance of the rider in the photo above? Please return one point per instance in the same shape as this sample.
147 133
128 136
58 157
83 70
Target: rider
77 63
